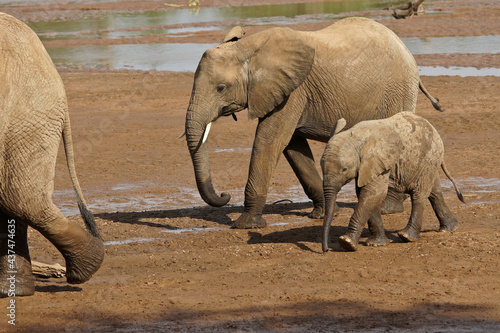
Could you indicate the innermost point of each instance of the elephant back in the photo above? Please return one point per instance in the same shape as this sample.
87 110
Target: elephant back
370 71
28 75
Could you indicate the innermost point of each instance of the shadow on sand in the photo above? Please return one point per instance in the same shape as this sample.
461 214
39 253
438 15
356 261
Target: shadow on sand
339 315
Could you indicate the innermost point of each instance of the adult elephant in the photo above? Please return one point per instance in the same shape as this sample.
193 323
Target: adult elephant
298 84
33 114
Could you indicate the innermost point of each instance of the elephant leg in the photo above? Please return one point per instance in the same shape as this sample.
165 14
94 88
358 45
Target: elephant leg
447 222
411 232
370 199
16 277
393 202
272 136
299 155
377 230
82 252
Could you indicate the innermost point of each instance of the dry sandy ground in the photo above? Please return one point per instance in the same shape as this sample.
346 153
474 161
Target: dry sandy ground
125 127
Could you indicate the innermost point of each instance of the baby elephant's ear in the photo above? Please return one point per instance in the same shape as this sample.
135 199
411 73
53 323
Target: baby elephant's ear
234 34
379 154
339 126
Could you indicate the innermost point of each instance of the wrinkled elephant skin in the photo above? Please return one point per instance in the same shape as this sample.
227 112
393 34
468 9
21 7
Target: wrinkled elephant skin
33 116
298 84
404 152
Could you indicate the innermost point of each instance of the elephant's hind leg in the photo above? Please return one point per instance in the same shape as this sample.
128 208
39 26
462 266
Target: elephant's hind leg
447 222
393 202
16 277
377 230
411 232
82 252
299 155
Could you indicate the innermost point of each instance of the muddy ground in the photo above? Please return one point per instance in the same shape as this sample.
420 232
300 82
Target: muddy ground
214 278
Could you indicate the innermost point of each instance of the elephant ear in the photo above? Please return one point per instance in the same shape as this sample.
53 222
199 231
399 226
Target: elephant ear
379 154
280 63
339 126
234 34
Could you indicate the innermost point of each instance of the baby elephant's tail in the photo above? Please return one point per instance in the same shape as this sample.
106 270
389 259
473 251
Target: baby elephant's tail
459 194
434 100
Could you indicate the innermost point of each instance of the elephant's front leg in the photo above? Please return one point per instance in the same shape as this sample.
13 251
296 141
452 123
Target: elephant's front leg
272 136
299 155
370 199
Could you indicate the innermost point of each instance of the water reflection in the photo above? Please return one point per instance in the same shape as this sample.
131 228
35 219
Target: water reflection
116 24
178 57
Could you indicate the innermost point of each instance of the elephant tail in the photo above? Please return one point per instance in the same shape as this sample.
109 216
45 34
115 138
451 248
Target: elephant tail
434 100
70 160
459 194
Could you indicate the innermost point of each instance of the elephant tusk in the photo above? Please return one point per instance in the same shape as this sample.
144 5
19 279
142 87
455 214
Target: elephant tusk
183 133
205 135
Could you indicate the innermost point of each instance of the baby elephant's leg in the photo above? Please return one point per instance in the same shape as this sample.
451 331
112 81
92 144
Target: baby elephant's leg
377 231
447 222
393 202
411 232
370 198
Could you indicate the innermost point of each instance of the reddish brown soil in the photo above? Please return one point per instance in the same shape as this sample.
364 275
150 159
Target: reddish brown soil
125 128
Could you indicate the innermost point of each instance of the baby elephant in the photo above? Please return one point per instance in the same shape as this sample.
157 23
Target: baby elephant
403 152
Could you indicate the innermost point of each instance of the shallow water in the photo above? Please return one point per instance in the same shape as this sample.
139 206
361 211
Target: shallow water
181 22
457 71
176 57
119 24
181 57
123 197
458 44
131 240
472 188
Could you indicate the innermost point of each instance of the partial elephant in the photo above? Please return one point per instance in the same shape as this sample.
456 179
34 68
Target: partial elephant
298 84
407 9
33 114
404 151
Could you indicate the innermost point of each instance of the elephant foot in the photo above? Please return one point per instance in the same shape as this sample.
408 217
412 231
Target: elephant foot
82 265
16 277
319 213
393 203
409 235
379 240
248 221
348 243
449 226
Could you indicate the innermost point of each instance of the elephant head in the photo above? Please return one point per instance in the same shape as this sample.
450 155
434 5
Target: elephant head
364 152
257 72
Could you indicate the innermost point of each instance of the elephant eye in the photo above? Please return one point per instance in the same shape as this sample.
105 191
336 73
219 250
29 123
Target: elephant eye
221 87
344 169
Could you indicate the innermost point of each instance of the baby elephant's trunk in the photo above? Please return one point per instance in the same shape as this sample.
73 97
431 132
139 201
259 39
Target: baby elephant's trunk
330 211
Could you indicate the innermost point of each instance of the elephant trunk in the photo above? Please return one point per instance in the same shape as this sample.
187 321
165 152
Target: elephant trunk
196 134
330 193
